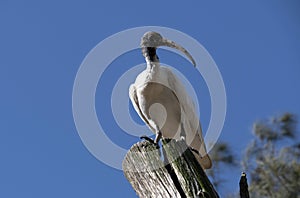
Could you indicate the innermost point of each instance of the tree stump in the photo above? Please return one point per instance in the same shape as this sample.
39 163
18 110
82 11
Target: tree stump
178 174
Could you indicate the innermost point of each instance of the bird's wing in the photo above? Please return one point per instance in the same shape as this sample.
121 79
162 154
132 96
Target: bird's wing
189 119
134 100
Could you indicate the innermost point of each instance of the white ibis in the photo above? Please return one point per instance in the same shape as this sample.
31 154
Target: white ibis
162 102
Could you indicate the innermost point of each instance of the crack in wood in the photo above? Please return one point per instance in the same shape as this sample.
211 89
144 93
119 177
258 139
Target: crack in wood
179 175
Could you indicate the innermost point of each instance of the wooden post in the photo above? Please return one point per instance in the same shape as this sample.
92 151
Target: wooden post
178 175
244 193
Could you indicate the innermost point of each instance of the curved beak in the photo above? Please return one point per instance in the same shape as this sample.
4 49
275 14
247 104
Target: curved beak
154 39
172 44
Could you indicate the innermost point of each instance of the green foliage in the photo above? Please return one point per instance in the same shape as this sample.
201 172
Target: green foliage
272 159
221 155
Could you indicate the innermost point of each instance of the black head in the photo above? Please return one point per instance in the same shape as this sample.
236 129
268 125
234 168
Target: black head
151 53
151 40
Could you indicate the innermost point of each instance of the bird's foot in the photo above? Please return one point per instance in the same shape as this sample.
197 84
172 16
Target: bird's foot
195 150
202 193
144 137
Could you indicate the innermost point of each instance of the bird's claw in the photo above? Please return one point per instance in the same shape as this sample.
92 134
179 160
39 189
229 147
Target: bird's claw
144 137
195 150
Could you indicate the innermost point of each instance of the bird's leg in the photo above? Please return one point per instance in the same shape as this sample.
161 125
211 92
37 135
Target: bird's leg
182 132
155 141
157 137
183 137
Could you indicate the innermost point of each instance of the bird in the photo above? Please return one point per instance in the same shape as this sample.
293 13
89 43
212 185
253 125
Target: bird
162 102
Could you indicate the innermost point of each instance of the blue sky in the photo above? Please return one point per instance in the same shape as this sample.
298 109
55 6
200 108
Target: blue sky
255 44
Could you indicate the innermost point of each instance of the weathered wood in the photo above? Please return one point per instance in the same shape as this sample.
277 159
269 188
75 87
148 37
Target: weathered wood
179 175
189 172
146 172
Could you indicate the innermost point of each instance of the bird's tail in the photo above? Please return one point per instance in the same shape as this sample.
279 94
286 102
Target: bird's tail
204 161
195 140
199 145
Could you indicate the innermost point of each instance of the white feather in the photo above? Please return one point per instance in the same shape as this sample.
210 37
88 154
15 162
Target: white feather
158 84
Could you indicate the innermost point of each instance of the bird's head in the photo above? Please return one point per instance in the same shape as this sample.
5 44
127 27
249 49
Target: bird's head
152 40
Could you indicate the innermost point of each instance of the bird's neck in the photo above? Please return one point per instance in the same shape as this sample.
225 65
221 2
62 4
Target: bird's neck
151 65
151 58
